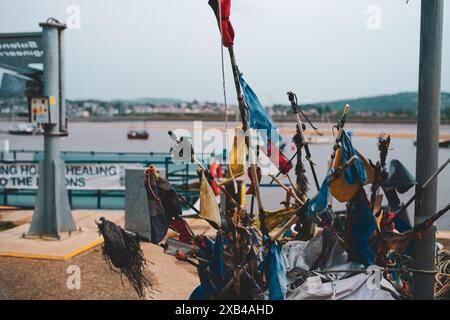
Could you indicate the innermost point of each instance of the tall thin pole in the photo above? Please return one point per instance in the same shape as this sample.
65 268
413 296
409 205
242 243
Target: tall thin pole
52 213
428 139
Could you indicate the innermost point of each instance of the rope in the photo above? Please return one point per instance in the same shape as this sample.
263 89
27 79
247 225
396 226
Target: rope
223 66
378 269
151 189
442 277
224 88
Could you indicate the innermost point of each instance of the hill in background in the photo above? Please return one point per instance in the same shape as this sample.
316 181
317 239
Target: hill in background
401 102
395 105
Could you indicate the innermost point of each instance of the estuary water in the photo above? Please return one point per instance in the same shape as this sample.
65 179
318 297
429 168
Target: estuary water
111 137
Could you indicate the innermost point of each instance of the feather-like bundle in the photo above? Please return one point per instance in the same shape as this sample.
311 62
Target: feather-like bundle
123 254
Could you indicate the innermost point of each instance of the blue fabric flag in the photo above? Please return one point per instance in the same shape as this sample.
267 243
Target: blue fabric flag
198 294
259 118
275 268
357 172
207 289
320 201
401 224
217 266
365 225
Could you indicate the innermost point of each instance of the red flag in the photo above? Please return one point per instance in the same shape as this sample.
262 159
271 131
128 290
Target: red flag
181 227
258 175
225 24
277 158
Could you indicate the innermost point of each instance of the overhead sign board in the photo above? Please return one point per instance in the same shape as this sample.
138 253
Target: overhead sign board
19 50
12 84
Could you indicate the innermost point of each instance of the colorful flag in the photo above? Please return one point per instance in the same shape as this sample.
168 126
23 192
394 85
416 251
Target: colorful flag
237 155
365 224
181 226
209 208
163 206
360 173
275 268
251 188
225 25
260 119
356 172
319 202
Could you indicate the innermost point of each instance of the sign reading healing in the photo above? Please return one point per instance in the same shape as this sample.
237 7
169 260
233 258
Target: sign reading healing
78 176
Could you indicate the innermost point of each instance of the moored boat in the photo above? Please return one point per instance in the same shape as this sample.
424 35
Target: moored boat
22 129
138 134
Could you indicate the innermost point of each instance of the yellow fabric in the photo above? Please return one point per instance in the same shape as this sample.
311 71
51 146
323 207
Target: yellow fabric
209 208
275 218
243 198
339 188
237 155
377 209
378 218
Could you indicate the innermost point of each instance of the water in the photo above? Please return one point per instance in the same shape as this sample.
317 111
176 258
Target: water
111 137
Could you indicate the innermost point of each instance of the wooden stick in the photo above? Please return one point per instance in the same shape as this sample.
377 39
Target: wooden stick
294 189
255 182
244 120
338 138
222 188
279 230
286 189
337 173
304 144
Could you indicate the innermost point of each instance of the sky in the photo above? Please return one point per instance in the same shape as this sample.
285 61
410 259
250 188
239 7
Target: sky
322 49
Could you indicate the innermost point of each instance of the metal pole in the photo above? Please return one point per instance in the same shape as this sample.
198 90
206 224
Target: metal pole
428 139
52 213
62 87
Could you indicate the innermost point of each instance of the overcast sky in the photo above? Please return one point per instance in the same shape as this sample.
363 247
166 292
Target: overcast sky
322 49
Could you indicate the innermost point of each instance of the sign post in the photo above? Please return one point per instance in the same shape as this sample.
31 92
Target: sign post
428 140
52 214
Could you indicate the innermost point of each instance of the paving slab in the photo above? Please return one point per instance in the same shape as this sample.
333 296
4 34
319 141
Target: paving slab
13 244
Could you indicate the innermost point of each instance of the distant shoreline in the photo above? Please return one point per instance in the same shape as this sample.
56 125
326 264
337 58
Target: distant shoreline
210 117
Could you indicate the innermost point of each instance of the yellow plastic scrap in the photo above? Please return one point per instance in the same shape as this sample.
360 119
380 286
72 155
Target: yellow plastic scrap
209 208
378 218
237 157
339 188
275 218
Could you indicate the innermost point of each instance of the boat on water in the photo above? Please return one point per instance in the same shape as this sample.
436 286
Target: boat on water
138 134
23 128
318 140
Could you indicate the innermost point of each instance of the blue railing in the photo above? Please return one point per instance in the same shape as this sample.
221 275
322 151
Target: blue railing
178 174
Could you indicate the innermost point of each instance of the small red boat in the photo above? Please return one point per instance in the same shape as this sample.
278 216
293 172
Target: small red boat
137 134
